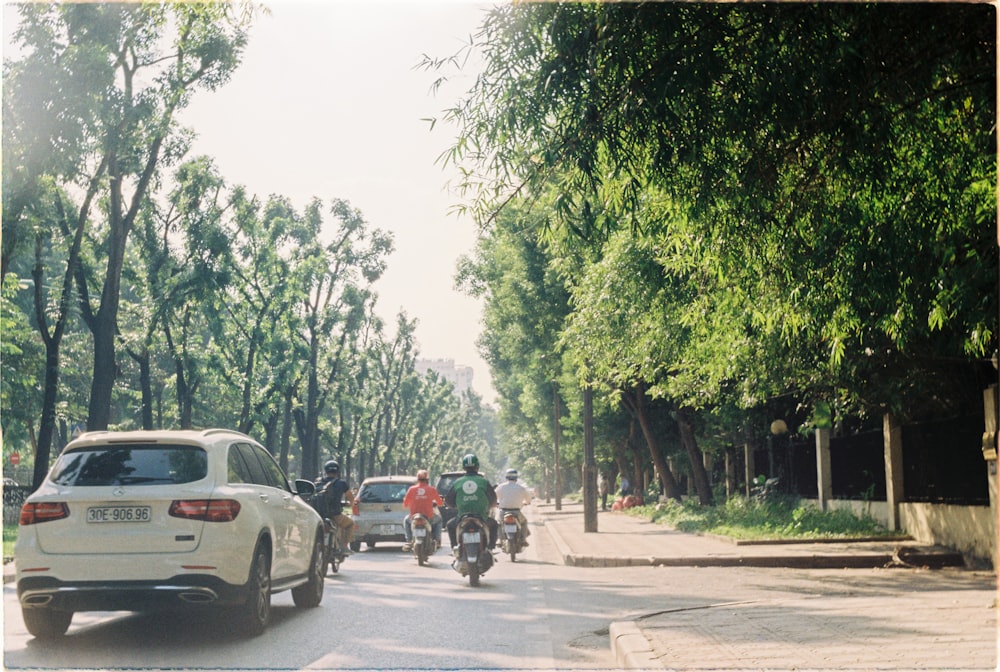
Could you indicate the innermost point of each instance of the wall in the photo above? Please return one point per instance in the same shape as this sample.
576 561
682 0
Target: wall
967 529
876 510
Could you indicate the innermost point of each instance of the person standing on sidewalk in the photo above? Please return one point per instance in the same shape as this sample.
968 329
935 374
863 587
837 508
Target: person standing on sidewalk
603 488
626 487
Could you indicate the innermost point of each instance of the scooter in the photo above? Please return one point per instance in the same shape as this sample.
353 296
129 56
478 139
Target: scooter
474 557
511 540
424 543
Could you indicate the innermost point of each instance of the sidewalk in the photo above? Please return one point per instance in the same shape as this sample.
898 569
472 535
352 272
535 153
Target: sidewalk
887 619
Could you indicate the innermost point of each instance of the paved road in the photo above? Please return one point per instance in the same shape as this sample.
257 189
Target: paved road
381 612
385 612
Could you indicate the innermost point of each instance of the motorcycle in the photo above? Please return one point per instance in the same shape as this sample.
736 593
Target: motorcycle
474 557
333 552
512 539
424 543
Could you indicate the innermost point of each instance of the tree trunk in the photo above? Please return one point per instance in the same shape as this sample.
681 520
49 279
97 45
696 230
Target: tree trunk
47 427
701 484
104 325
286 433
105 372
146 384
667 480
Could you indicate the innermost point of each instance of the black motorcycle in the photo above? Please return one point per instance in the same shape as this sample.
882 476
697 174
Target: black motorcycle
474 557
424 543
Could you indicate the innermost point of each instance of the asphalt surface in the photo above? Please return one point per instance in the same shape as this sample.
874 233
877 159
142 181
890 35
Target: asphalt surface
865 605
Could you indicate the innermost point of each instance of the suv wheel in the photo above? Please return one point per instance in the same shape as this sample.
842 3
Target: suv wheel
310 593
253 616
46 623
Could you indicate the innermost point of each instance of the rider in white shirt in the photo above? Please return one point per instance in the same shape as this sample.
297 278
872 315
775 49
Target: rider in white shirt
512 495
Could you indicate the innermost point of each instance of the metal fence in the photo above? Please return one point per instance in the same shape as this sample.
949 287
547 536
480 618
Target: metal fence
13 498
942 463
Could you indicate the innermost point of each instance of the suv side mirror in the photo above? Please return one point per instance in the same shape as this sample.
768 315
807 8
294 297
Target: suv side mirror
304 488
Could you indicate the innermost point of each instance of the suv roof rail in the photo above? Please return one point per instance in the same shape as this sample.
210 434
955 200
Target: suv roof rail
218 430
91 433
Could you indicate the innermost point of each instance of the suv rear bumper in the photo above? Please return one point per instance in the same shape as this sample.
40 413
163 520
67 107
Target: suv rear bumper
180 591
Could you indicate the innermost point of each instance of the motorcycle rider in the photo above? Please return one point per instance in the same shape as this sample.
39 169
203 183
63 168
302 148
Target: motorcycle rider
511 496
331 490
472 494
421 498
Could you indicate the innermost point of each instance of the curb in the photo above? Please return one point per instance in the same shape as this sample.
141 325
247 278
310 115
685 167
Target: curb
564 550
631 649
853 561
902 557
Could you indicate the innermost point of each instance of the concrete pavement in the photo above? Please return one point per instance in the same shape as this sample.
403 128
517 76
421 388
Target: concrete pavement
892 611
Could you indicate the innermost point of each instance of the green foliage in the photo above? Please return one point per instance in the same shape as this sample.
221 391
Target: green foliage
21 361
743 203
209 306
774 518
9 537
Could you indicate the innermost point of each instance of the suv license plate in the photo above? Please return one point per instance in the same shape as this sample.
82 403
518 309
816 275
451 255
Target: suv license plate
119 514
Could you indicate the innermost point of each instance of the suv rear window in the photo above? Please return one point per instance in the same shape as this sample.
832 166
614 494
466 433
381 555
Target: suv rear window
131 464
383 493
445 481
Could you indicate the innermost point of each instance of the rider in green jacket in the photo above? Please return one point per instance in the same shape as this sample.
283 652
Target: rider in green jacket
472 494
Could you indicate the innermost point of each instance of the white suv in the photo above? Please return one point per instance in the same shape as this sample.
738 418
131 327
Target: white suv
149 519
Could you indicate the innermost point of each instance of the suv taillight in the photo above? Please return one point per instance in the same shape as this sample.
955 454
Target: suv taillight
43 512
209 510
354 508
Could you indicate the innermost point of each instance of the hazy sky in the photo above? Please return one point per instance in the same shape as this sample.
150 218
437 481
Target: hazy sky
327 103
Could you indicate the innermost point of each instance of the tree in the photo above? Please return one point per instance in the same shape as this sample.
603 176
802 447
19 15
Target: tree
807 215
20 358
333 305
133 89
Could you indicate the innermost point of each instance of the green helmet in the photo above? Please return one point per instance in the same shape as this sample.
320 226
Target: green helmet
470 461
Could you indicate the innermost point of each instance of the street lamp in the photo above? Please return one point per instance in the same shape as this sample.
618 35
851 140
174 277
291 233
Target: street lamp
778 428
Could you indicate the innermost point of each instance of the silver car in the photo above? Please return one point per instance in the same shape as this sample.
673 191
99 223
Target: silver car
378 510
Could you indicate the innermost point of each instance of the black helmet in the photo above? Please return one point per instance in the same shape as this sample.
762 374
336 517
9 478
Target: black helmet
470 461
332 467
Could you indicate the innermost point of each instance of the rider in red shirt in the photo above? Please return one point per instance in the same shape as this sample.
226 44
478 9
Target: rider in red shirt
421 498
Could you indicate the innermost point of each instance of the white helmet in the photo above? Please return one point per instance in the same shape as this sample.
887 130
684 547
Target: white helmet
512 474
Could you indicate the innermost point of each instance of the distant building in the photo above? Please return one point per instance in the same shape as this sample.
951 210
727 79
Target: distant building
459 376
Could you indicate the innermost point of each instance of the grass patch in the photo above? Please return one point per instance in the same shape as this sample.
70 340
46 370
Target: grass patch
776 518
9 537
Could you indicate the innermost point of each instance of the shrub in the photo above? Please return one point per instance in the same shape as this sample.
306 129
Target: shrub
777 517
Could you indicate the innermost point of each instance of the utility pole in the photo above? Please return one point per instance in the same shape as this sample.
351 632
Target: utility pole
555 401
589 463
